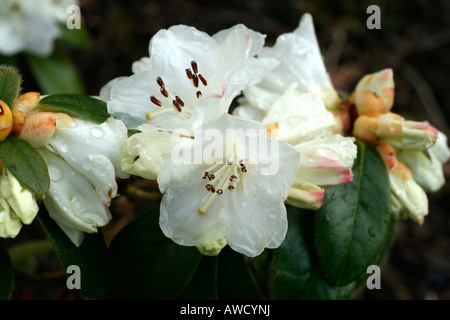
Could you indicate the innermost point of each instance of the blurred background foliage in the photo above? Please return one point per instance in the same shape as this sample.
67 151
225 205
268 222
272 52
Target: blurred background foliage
414 40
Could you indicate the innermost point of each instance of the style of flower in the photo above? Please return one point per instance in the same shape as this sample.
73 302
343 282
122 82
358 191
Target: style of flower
234 195
31 26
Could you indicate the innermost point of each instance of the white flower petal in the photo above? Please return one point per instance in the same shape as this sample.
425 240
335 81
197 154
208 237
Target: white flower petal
252 216
72 200
10 224
96 151
328 160
21 200
300 116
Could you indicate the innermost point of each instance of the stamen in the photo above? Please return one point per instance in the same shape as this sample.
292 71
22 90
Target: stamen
160 82
194 66
195 80
199 94
189 74
203 80
225 177
164 92
156 101
176 105
179 101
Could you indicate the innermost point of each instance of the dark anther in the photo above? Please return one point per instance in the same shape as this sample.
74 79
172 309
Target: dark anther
160 82
189 73
194 66
203 80
195 80
155 101
179 101
164 92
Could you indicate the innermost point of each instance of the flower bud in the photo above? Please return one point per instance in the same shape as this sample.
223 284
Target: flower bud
408 198
374 93
27 101
365 128
305 195
6 120
37 129
404 134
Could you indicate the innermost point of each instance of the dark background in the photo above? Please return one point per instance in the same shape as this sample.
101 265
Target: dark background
414 40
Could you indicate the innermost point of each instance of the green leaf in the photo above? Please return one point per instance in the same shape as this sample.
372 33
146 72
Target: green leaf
90 256
9 85
81 106
297 269
56 73
226 276
26 164
24 255
6 275
353 220
145 264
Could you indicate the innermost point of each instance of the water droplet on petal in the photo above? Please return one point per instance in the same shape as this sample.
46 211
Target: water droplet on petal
64 148
87 165
97 132
244 204
273 215
55 172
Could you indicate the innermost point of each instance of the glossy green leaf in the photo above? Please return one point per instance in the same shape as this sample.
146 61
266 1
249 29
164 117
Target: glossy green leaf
353 220
26 164
6 275
145 264
56 73
225 277
90 256
80 106
9 84
297 269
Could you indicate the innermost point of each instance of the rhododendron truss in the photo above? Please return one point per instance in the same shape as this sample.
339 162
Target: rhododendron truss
249 163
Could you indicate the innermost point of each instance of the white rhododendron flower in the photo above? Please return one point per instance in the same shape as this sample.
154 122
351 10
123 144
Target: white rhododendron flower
228 187
302 120
299 61
83 164
188 74
31 25
17 205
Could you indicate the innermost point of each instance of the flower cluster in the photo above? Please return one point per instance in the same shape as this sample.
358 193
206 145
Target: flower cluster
226 175
83 160
231 130
413 152
31 26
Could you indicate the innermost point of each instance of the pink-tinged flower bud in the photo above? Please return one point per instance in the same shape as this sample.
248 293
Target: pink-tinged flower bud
38 128
6 121
27 101
365 128
404 134
408 199
387 153
374 93
305 195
